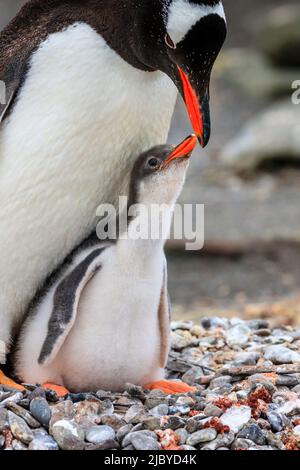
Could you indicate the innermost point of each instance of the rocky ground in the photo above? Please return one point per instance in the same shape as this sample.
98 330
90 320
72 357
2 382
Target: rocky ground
247 379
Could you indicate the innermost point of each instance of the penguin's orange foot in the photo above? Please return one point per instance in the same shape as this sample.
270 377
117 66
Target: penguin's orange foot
58 389
7 382
170 387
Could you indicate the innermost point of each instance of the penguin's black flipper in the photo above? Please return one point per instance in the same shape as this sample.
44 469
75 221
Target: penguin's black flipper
10 81
164 315
66 297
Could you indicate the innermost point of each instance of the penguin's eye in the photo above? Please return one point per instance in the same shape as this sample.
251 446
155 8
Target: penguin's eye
153 163
169 41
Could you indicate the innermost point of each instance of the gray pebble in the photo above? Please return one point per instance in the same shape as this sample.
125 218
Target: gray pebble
275 420
123 431
246 359
144 433
241 444
212 410
205 435
175 422
281 355
254 433
20 428
222 440
134 413
238 335
100 434
68 435
17 445
19 411
43 442
182 435
144 442
41 411
236 417
151 423
3 420
159 411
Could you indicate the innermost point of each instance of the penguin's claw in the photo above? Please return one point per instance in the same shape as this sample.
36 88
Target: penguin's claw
7 382
58 389
170 387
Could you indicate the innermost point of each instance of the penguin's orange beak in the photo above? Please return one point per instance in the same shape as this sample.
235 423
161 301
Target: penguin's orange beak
198 109
183 150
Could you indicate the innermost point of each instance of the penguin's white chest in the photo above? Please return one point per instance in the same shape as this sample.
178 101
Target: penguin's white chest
116 337
82 117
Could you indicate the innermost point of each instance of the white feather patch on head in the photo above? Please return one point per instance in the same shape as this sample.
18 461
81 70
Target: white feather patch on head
183 15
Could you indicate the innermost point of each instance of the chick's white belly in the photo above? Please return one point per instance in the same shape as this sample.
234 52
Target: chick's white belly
115 338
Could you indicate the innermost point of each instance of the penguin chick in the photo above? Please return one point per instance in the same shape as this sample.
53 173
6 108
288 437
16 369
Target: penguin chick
103 320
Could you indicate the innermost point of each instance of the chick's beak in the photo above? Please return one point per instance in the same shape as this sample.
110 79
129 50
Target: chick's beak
198 109
183 150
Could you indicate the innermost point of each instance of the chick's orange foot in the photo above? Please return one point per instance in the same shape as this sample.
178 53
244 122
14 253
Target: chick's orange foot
7 382
170 387
58 389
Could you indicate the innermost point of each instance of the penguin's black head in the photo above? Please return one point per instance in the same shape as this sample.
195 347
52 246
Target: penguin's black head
158 174
183 39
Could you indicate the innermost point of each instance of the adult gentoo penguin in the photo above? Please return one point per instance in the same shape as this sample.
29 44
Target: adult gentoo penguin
103 318
90 85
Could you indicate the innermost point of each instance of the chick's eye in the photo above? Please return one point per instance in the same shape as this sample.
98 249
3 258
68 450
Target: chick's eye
153 163
169 41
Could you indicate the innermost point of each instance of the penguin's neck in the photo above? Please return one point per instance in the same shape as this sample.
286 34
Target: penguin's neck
146 232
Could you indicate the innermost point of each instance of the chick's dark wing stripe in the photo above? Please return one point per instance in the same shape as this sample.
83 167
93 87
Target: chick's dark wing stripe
65 302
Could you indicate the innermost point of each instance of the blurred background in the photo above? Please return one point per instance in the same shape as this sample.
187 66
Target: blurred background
248 178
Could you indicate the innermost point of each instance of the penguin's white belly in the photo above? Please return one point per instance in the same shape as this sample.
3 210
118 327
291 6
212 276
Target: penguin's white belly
82 117
115 338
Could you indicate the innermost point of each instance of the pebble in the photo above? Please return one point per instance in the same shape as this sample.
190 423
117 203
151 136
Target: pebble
214 322
159 410
123 431
296 430
247 358
40 409
43 442
236 417
212 410
241 444
17 445
144 442
223 440
16 397
114 421
4 424
151 422
134 413
281 355
175 422
182 435
238 335
68 435
101 435
275 420
141 433
254 433
205 435
28 418
20 428
290 408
